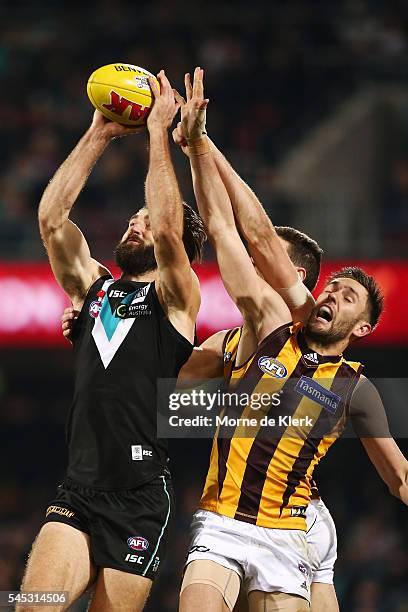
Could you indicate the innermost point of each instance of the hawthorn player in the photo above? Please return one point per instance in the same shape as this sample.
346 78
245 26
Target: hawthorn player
251 523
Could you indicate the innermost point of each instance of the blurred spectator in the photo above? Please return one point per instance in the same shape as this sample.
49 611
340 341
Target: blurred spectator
395 213
272 71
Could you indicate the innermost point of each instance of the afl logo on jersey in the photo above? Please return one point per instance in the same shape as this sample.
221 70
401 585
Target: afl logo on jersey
272 366
138 543
95 308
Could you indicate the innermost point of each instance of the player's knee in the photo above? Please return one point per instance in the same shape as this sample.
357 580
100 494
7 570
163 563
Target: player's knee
208 585
260 601
117 590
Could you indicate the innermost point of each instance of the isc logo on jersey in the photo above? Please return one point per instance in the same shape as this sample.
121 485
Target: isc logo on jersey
138 543
272 366
115 293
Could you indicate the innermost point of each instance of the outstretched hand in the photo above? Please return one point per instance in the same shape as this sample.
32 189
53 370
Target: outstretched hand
193 111
111 129
165 106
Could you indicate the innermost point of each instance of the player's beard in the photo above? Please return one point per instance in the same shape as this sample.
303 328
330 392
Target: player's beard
332 335
135 260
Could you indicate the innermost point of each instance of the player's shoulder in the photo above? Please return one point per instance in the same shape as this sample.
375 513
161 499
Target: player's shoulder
365 391
364 383
357 366
99 269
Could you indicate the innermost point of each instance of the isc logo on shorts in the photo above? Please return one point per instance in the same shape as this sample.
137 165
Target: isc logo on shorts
134 559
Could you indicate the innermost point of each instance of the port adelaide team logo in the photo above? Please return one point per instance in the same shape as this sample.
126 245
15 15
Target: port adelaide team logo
273 367
138 543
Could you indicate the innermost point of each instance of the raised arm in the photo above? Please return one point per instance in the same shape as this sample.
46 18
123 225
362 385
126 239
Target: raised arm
67 249
371 425
269 254
260 306
178 284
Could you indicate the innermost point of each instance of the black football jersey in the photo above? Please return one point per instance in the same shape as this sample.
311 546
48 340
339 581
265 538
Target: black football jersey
123 343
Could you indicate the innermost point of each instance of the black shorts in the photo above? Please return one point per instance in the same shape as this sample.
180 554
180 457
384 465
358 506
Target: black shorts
128 529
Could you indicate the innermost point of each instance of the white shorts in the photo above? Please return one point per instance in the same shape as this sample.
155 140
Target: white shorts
265 559
322 541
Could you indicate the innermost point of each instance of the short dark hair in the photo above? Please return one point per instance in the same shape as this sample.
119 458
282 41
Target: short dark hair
194 234
304 252
375 299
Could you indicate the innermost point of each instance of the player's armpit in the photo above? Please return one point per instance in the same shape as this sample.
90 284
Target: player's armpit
206 360
180 297
71 261
370 423
261 307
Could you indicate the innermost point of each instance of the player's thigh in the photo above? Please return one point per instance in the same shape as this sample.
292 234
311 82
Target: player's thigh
59 561
119 591
260 601
208 587
324 598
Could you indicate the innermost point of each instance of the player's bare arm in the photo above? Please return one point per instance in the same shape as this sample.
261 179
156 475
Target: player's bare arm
68 251
178 285
269 254
261 307
206 360
265 246
371 425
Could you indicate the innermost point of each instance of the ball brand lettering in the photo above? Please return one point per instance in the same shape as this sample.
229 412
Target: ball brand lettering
119 104
121 67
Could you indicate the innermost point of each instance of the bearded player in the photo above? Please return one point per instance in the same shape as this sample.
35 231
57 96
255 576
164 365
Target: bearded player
109 522
251 525
265 244
216 357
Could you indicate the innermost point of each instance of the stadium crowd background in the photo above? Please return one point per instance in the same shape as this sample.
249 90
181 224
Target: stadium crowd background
274 71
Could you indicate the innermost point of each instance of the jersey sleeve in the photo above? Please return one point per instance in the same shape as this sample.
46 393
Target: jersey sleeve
367 412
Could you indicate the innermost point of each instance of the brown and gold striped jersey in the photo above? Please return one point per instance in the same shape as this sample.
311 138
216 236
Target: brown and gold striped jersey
265 478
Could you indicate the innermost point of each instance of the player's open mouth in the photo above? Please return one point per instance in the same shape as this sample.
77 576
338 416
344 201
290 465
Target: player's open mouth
324 314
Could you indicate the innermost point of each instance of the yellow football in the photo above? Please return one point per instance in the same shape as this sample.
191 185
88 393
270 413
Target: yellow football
122 93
